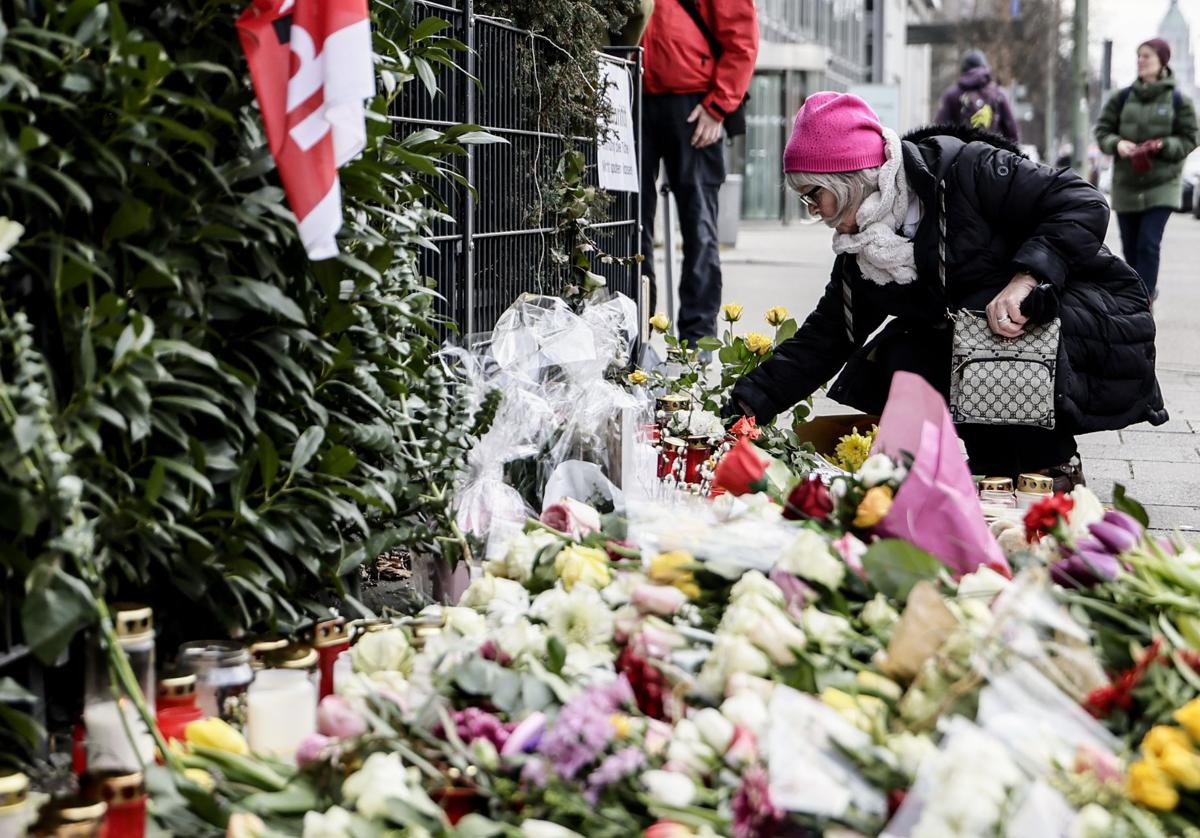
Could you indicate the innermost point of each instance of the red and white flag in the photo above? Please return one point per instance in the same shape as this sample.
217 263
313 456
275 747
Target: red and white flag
311 65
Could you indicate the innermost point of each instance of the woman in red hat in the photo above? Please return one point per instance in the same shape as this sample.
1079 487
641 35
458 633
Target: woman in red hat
1020 241
1150 127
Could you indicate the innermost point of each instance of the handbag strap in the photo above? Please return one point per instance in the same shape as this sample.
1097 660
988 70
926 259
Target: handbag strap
693 11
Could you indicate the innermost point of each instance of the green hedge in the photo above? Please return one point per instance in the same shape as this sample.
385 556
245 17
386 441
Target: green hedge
241 426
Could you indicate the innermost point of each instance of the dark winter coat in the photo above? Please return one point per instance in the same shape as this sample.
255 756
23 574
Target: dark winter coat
1004 215
1148 111
975 101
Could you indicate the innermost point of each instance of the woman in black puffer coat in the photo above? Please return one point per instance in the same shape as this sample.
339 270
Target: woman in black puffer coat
1023 241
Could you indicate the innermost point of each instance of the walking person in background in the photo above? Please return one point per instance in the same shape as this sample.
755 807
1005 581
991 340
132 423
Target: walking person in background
699 58
978 102
1150 127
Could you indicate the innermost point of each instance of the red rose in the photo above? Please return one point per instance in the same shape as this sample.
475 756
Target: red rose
1046 514
810 499
746 428
740 470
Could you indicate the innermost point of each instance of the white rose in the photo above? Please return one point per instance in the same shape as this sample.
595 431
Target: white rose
382 651
669 788
983 584
809 556
518 561
1189 557
755 583
748 709
911 750
688 751
876 469
335 823
620 590
546 829
1087 510
1092 821
10 233
731 654
703 423
879 616
521 638
768 627
493 593
826 629
382 778
589 663
465 621
715 729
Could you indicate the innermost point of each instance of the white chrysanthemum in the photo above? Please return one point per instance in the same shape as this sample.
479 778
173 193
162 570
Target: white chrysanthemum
579 617
809 557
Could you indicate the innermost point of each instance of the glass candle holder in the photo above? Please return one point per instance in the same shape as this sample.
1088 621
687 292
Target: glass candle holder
14 804
223 673
117 738
281 710
177 691
124 796
259 649
298 657
70 817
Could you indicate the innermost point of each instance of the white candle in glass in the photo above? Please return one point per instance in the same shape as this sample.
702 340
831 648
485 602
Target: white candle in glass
109 747
281 709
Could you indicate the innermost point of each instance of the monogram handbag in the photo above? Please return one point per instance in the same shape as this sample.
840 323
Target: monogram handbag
996 380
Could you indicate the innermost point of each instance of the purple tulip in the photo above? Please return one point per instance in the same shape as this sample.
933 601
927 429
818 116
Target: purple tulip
525 736
1125 521
1084 568
1116 539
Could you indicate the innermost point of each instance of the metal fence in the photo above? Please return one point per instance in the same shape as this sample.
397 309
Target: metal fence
493 250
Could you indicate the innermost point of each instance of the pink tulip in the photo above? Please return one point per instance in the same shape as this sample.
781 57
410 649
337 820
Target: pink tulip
525 736
336 718
663 600
571 517
314 748
743 750
1091 760
667 829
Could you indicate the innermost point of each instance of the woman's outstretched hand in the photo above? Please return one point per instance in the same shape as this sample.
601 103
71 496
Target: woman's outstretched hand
1004 311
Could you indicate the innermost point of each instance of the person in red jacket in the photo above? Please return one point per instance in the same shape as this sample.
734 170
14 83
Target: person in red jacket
696 74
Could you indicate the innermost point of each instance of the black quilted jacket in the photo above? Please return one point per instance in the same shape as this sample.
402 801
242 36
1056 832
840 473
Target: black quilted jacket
1005 214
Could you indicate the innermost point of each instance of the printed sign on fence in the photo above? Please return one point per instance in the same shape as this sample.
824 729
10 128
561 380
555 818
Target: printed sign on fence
617 153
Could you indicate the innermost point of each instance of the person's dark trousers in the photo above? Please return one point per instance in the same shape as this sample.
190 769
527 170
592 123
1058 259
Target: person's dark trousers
1010 450
1141 242
695 176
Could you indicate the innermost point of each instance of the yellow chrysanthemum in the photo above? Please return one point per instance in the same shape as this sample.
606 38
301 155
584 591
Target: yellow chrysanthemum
758 343
853 449
660 322
733 312
777 315
622 727
637 378
1150 786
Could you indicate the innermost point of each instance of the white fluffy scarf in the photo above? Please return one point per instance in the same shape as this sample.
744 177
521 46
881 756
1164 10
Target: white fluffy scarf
883 254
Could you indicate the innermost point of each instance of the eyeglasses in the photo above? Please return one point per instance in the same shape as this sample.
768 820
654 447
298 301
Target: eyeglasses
809 199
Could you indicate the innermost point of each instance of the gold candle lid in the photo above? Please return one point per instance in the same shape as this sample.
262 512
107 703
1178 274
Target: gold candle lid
133 621
70 817
672 402
264 646
177 686
116 788
295 656
674 442
996 484
14 789
1035 484
331 632
361 628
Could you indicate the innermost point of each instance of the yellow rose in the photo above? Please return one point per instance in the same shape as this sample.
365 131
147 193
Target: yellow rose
733 312
660 322
669 569
776 315
1189 716
637 378
758 343
875 505
582 565
1160 736
1150 786
862 711
201 778
216 734
1181 764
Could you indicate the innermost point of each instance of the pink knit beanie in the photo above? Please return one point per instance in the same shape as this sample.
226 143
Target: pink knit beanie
834 132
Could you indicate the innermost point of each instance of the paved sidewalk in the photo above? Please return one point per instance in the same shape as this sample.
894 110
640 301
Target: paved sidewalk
789 266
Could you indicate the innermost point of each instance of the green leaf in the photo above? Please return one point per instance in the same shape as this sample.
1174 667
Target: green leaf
132 216
13 693
155 483
894 567
556 655
477 826
709 344
187 472
56 606
306 446
787 330
134 338
268 461
479 138
1129 506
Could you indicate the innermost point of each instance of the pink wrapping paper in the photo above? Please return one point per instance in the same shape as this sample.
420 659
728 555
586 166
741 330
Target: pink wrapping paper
937 507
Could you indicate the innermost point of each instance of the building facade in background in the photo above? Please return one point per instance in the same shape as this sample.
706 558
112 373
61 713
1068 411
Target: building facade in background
1175 31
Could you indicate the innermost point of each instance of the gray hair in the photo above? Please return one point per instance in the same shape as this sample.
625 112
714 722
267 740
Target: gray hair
848 188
